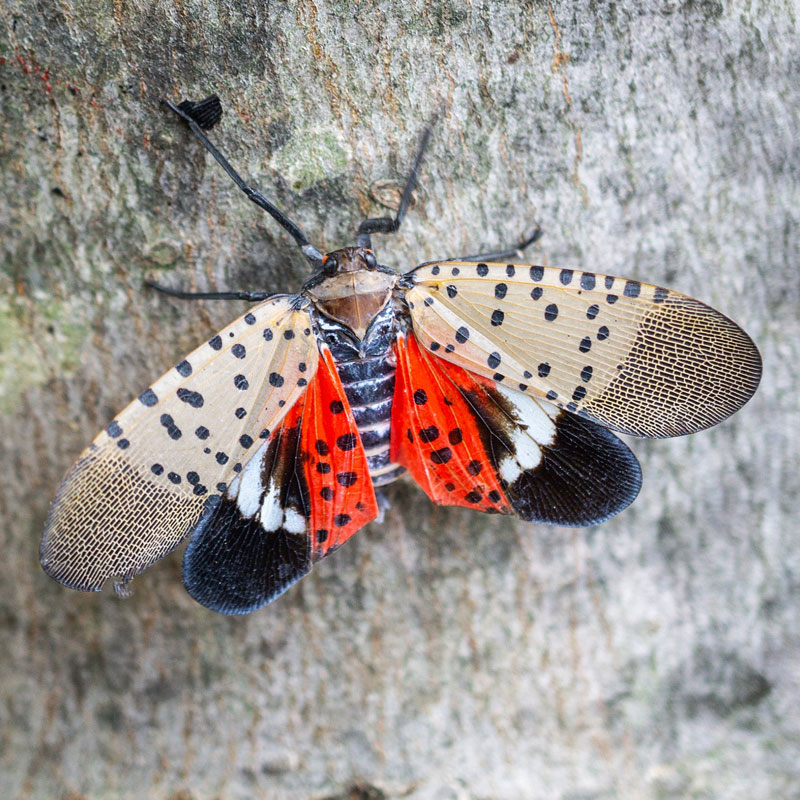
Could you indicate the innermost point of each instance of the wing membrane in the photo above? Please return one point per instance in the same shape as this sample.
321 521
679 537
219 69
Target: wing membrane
146 481
634 357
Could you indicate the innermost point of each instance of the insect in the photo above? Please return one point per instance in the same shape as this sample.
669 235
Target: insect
497 386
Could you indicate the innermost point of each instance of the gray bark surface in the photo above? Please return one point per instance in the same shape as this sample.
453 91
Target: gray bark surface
442 654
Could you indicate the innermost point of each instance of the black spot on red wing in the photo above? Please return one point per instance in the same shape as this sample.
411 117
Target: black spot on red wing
322 536
323 468
449 486
473 497
340 520
346 478
420 397
442 455
455 436
346 441
321 447
429 434
494 496
410 435
336 407
474 467
326 493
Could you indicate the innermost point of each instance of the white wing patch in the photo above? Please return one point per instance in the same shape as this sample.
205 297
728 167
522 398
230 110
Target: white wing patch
535 428
632 356
142 484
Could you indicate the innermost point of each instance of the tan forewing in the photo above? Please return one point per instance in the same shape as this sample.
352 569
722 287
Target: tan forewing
634 357
141 486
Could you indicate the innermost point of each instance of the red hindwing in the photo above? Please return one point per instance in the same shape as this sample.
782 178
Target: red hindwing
436 434
340 489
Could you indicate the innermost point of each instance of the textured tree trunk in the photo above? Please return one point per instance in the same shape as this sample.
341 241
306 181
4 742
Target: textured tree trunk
443 654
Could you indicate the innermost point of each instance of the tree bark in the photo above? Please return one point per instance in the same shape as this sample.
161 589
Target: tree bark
443 654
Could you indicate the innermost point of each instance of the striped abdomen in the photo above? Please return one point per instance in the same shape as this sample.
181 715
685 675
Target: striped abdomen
369 386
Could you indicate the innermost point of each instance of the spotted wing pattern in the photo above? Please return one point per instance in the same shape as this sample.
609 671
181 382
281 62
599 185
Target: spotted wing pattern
435 436
634 357
305 492
160 466
472 442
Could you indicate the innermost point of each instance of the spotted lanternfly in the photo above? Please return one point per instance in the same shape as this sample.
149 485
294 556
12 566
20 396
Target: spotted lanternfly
496 386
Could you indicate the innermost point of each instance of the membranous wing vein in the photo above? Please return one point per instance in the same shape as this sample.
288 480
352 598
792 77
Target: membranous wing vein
634 357
144 483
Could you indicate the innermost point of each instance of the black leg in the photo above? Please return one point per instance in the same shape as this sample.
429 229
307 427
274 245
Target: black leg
388 224
251 296
191 115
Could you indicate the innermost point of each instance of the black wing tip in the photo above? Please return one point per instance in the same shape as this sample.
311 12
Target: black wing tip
233 566
206 113
586 477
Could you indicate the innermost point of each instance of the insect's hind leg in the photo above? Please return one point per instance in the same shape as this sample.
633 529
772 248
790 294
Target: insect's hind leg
509 253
